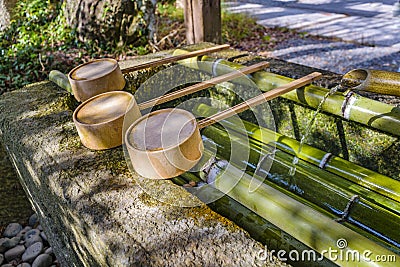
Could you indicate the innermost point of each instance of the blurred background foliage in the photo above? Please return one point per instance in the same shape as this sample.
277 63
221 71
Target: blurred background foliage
39 40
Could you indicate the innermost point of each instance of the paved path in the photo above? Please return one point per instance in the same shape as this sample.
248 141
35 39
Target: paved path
370 31
369 22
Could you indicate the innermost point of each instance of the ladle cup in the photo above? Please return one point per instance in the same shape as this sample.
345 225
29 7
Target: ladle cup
99 120
166 143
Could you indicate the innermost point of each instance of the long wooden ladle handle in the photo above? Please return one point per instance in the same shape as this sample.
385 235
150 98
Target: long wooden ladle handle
259 99
175 58
203 85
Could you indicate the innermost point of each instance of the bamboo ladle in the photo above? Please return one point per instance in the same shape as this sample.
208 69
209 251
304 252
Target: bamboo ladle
100 119
104 75
166 143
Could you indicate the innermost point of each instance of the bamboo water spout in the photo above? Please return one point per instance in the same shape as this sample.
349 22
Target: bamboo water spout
376 81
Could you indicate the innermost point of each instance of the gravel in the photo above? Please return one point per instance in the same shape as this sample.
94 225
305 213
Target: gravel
43 260
12 229
22 245
338 57
14 253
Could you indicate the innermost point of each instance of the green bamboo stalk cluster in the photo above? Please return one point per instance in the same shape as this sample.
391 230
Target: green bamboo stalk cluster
372 212
325 190
325 185
300 221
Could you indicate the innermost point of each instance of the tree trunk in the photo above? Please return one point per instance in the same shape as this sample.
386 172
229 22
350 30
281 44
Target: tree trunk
112 21
6 7
203 21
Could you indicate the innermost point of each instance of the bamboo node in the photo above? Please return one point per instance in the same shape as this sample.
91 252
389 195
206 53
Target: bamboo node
215 66
207 166
263 158
347 210
214 170
325 160
348 103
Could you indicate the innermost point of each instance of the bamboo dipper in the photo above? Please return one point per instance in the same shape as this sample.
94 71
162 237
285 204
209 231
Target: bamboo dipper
100 119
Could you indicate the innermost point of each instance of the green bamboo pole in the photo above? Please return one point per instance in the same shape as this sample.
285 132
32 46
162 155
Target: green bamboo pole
364 177
374 181
324 189
352 107
300 221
